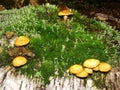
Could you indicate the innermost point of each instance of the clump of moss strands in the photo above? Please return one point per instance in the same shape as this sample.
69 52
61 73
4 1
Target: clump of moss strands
58 45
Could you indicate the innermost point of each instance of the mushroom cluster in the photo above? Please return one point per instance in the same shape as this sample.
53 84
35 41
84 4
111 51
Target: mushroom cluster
88 67
19 52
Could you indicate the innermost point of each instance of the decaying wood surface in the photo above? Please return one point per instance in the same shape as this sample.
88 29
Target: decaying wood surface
112 80
9 80
71 83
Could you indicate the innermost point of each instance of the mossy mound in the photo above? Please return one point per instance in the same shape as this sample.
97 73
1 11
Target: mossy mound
58 45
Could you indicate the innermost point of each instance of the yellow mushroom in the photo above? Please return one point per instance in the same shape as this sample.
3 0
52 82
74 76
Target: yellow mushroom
88 70
74 69
91 63
19 61
82 74
96 68
105 67
65 13
21 41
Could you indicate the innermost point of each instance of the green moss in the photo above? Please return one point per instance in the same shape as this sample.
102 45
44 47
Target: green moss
58 45
4 57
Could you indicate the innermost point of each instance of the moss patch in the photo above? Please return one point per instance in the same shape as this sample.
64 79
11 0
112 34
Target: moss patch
58 45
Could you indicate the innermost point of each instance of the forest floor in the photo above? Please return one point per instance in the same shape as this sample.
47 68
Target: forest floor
110 10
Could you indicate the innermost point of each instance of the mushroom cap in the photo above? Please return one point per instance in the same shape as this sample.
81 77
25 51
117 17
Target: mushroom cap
104 67
88 70
21 41
65 13
96 68
74 69
19 61
91 63
82 74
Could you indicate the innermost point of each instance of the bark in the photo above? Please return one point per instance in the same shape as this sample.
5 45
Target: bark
15 81
112 80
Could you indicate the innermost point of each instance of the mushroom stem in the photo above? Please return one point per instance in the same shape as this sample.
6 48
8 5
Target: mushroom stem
65 18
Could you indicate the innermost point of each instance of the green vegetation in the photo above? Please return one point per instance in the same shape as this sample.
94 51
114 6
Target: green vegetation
4 57
58 45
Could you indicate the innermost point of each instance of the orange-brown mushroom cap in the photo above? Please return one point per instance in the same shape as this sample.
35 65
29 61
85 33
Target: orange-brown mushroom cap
21 41
65 13
96 68
91 63
19 61
88 70
82 74
105 67
76 68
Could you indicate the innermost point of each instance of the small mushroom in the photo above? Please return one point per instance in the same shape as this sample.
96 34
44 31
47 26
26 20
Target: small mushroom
65 13
91 63
21 41
19 61
96 68
105 67
74 69
88 70
82 74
